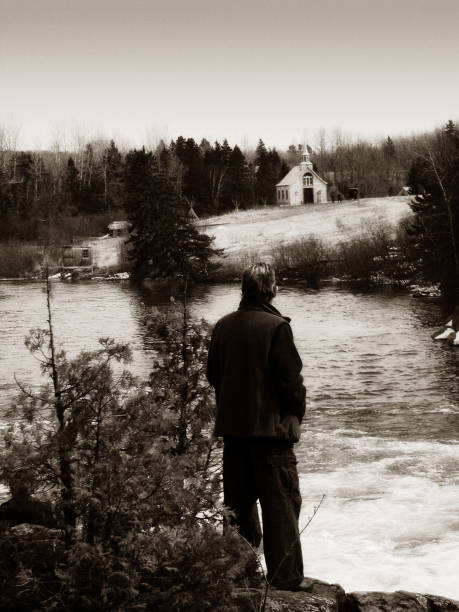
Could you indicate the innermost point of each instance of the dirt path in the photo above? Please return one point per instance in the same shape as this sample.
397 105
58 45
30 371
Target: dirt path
258 231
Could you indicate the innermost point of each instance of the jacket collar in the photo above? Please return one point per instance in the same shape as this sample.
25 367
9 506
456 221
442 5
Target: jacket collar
253 304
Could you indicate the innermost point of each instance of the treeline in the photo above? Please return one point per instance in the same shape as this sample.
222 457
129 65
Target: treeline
434 177
211 178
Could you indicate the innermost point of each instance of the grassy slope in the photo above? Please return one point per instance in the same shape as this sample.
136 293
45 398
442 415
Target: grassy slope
258 231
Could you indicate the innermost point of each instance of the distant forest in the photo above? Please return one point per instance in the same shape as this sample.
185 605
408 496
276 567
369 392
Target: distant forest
61 186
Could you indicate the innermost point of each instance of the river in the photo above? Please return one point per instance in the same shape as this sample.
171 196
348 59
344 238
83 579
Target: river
381 436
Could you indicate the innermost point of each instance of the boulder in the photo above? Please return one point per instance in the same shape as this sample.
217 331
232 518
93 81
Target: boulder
400 601
324 597
319 597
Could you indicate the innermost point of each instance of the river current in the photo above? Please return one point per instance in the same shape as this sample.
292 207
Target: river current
381 435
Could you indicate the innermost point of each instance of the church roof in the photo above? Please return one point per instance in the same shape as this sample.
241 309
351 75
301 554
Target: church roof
295 175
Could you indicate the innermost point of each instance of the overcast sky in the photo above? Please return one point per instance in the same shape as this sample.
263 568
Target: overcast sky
280 70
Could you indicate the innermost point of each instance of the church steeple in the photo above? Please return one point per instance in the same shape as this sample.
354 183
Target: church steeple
306 163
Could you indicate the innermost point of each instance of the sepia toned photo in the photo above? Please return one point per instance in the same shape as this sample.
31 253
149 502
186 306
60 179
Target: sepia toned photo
229 305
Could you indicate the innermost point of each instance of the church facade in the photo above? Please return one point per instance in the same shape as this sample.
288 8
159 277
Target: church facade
302 185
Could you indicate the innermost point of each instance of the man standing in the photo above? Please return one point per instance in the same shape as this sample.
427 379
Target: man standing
256 371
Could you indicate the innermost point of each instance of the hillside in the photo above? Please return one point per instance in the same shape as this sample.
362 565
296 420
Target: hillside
259 230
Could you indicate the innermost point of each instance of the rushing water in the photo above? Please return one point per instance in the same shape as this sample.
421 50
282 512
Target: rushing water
381 436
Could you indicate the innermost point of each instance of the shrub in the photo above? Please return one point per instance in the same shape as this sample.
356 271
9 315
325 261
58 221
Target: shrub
379 254
306 258
19 259
130 473
230 268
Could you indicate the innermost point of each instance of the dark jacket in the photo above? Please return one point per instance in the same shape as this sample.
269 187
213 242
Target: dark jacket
256 371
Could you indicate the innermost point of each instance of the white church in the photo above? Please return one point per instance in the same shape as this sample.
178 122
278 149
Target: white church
302 185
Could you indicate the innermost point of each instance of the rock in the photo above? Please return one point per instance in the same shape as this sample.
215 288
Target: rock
324 597
390 602
248 600
400 601
441 604
320 597
287 601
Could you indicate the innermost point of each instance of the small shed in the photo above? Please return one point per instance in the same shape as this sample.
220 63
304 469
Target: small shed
106 252
302 185
77 256
119 229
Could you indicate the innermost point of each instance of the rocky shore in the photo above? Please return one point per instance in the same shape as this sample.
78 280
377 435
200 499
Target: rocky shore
324 597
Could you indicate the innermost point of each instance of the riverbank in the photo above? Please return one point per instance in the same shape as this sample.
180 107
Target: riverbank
249 234
258 232
363 242
324 597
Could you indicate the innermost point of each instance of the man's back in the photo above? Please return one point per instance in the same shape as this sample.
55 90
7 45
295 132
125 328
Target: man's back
255 370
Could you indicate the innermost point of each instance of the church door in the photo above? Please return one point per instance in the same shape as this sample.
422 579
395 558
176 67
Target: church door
308 195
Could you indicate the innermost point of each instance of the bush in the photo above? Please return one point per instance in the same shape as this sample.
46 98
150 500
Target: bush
130 472
19 259
379 254
230 268
306 258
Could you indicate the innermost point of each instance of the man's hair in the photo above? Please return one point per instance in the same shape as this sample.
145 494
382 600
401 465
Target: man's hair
259 282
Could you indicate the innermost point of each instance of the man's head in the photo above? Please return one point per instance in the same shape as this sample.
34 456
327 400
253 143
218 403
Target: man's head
259 282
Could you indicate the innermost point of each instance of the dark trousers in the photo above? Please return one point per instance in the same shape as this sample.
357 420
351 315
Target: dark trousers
265 469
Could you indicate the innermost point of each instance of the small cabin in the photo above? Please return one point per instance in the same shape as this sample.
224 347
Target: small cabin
77 256
119 229
106 253
302 185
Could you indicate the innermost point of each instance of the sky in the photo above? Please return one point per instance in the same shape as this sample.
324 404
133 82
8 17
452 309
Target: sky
280 70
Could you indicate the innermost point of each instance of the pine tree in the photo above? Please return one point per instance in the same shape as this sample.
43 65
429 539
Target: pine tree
126 476
113 178
238 188
165 243
22 184
71 187
192 183
216 162
434 176
265 178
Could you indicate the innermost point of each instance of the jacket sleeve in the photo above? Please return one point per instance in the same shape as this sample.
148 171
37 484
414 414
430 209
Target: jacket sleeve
211 371
286 368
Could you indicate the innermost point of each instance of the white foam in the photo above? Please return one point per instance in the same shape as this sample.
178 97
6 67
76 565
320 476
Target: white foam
386 524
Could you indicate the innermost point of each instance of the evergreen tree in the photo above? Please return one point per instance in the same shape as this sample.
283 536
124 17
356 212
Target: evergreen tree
266 174
389 148
434 176
192 185
113 178
163 156
238 188
22 184
216 162
71 187
119 482
92 182
165 243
